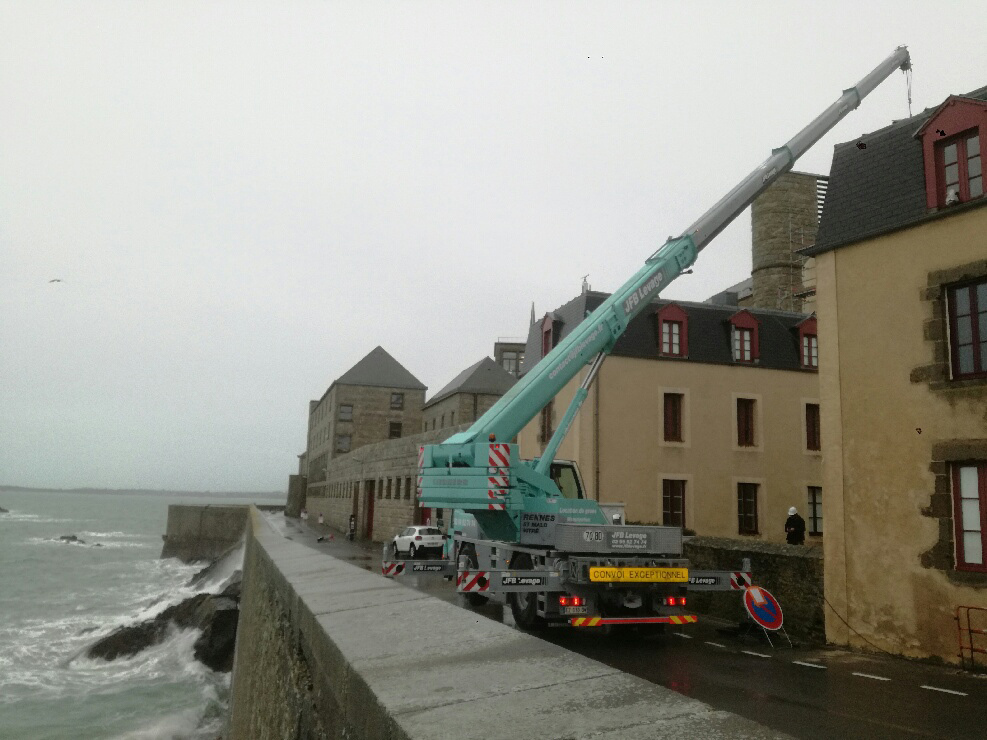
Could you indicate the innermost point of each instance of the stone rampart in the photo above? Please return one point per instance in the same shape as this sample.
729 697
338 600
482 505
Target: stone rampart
792 573
202 531
326 649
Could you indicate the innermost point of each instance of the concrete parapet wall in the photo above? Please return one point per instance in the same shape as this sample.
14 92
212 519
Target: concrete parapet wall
792 573
202 531
328 650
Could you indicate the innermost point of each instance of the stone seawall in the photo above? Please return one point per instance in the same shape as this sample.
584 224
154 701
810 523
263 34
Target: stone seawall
326 649
202 531
792 573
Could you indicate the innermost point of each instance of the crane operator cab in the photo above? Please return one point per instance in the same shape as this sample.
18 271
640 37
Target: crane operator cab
565 475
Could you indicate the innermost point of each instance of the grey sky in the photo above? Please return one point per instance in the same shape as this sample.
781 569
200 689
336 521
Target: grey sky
244 199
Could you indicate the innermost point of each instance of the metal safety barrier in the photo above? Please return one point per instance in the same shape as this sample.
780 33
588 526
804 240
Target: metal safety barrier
969 635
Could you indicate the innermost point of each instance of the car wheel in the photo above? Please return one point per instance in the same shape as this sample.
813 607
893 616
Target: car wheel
412 551
469 561
524 606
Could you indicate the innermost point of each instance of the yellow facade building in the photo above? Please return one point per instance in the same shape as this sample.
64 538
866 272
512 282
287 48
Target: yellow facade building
901 297
704 416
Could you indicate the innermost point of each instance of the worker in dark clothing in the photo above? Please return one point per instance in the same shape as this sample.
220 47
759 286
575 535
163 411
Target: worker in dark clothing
795 528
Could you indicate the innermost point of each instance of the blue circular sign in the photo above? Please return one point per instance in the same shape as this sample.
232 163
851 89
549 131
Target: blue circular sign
763 607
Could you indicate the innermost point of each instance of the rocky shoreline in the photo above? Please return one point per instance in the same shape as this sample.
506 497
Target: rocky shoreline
215 613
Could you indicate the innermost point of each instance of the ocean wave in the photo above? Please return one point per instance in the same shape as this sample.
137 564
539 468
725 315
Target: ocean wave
83 542
14 516
117 535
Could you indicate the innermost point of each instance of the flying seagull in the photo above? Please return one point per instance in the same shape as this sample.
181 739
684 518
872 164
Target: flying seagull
56 280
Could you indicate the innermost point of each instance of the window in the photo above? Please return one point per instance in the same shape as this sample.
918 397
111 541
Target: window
509 361
407 488
970 515
673 503
452 418
673 339
546 423
815 511
959 166
968 330
747 508
346 412
442 423
343 442
744 336
745 422
397 401
743 345
810 351
395 430
673 417
671 332
812 436
387 488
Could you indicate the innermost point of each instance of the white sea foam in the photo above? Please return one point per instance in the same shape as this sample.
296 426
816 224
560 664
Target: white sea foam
15 516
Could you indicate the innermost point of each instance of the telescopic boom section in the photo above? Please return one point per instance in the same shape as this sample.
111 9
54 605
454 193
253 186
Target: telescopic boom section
600 330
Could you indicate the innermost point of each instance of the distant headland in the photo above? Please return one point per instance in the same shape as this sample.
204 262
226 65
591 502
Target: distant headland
156 491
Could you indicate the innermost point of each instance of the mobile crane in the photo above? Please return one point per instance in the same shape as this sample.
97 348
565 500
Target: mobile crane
522 529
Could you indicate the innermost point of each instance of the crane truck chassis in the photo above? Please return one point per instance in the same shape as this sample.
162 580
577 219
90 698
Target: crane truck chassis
521 530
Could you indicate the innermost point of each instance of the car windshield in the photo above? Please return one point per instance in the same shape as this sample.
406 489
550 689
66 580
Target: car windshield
430 530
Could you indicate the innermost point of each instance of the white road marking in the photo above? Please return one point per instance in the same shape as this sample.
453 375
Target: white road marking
945 691
715 644
808 665
683 634
868 675
759 655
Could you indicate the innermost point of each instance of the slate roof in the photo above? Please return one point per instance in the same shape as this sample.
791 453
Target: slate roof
877 189
378 368
708 332
485 376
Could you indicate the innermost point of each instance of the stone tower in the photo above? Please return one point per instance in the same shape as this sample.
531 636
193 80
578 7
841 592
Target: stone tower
784 219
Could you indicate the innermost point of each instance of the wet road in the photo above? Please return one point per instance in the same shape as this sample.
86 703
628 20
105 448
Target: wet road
818 693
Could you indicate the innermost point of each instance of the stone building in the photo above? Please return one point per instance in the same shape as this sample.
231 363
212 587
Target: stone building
901 281
375 400
467 396
703 416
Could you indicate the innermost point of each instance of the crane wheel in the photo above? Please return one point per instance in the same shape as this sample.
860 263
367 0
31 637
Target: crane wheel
524 606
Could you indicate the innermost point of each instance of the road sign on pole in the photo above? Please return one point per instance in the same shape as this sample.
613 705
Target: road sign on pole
763 608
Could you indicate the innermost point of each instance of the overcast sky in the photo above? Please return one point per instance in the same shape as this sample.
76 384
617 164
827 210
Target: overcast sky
243 199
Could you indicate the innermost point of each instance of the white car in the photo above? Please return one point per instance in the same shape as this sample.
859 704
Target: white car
418 541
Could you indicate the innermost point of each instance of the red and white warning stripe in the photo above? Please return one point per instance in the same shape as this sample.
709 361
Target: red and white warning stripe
740 581
496 507
473 581
421 457
500 455
496 492
418 487
390 569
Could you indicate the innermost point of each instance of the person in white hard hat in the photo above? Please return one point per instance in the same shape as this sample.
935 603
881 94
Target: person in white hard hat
795 528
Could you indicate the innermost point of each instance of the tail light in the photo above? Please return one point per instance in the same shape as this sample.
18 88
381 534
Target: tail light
418 536
674 601
571 601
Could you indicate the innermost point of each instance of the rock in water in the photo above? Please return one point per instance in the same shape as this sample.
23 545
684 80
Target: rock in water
215 647
72 538
3 510
130 640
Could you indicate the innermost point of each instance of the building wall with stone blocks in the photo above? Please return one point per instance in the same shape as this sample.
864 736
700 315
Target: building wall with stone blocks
364 415
459 408
384 473
783 219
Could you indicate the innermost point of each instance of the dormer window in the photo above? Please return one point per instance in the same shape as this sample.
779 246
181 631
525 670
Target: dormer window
744 337
953 141
960 172
808 344
673 334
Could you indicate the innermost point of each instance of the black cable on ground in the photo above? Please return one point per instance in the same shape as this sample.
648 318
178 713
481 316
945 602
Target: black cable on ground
879 649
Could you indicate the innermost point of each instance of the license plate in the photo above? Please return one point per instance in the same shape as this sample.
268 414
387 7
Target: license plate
567 610
639 575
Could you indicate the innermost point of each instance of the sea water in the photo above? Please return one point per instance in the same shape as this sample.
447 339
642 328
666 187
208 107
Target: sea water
57 598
